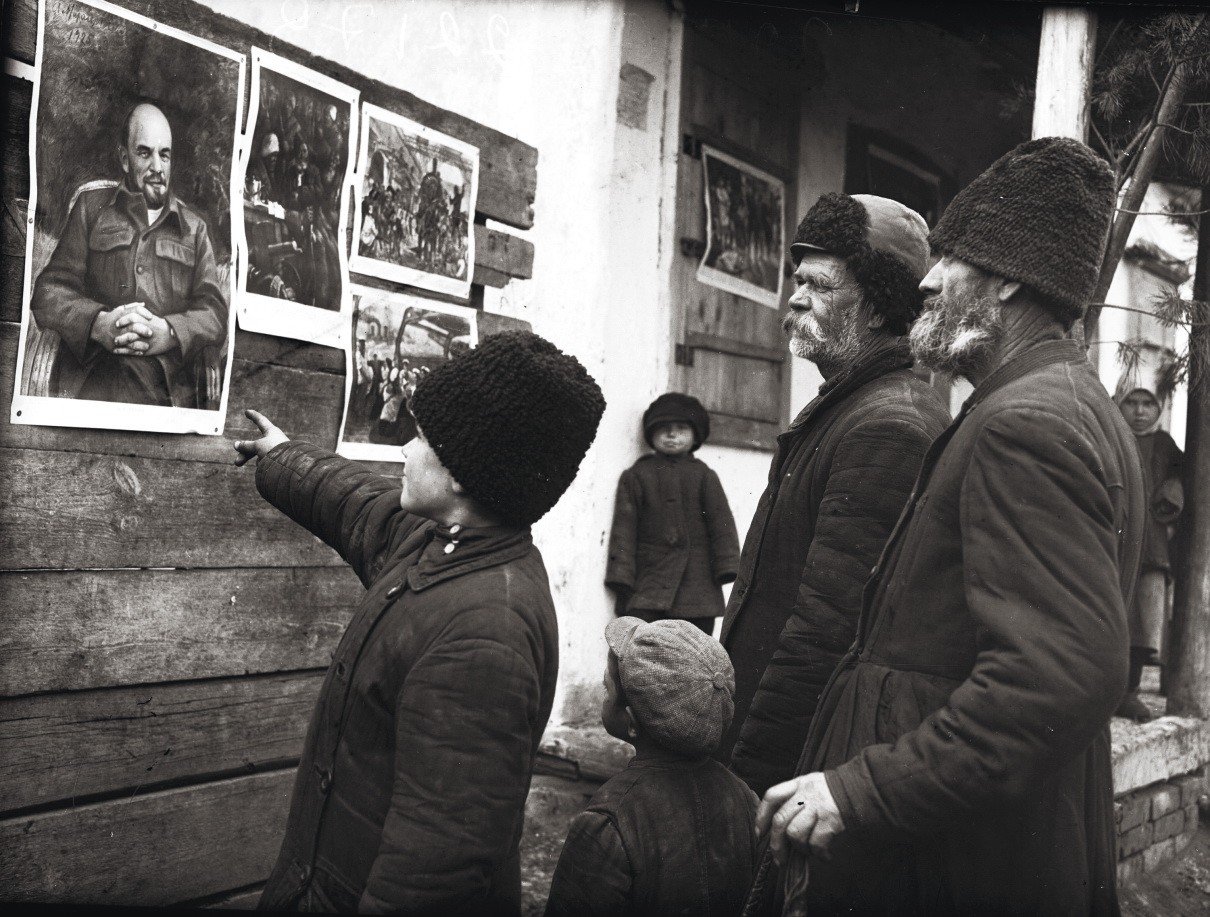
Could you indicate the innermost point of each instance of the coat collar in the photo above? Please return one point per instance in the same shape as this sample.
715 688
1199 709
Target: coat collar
1064 350
128 202
879 357
473 549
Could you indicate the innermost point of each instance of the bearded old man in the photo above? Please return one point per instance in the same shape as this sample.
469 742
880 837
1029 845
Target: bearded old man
959 760
841 474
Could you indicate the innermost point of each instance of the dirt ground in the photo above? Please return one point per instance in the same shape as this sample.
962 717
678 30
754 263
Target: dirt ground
1180 888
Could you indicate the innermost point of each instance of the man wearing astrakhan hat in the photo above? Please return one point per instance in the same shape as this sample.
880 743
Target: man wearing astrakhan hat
959 762
410 795
839 478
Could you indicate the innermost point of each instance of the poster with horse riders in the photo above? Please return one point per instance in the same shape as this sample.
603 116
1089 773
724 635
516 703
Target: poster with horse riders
127 321
414 219
297 163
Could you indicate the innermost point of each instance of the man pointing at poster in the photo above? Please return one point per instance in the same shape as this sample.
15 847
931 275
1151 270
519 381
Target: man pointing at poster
132 287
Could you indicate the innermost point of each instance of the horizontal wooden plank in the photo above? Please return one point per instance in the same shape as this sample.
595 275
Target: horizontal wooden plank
153 849
508 167
71 630
726 430
306 403
503 252
70 510
88 743
697 340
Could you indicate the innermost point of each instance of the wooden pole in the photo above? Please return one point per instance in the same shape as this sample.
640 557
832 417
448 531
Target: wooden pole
1065 55
1188 678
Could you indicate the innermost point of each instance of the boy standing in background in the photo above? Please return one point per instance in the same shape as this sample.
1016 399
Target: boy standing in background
673 545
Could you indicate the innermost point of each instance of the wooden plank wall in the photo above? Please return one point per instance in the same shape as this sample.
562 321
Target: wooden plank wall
163 632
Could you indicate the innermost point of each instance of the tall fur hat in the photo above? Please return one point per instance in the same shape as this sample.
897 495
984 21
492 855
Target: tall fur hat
1039 214
511 420
674 407
884 243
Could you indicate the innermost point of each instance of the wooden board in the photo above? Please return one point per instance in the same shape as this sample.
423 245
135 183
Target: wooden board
66 631
508 168
152 849
87 743
76 511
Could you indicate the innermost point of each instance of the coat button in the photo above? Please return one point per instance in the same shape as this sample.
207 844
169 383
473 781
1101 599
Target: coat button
139 268
874 571
341 669
306 874
325 782
392 592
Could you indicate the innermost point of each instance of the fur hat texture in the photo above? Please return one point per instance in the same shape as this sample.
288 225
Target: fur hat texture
884 244
673 407
511 420
1040 215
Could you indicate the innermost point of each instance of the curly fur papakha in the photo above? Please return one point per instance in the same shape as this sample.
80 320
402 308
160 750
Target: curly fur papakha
511 420
839 225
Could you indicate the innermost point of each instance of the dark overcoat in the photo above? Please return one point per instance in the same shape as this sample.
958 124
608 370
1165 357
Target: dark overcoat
411 790
673 540
840 477
965 738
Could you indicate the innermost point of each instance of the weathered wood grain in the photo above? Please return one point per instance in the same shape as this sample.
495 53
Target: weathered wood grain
508 168
307 404
152 849
500 251
64 747
70 510
67 631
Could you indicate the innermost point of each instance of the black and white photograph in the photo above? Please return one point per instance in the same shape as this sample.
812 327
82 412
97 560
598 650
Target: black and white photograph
745 215
416 193
128 285
397 340
298 163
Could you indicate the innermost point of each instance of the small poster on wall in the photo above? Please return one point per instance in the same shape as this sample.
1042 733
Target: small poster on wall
398 338
297 167
745 229
128 282
415 212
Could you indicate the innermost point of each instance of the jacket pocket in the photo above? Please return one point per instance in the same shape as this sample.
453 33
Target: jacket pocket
176 260
108 269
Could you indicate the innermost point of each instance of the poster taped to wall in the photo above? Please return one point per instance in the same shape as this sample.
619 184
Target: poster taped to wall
297 167
398 338
415 213
126 320
745 229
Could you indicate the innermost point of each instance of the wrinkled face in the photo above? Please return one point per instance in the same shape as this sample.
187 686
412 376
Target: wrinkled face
147 155
1141 410
962 326
428 486
672 438
825 318
613 707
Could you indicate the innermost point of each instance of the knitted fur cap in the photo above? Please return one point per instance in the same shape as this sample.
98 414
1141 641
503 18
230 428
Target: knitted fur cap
1039 214
884 244
511 420
673 407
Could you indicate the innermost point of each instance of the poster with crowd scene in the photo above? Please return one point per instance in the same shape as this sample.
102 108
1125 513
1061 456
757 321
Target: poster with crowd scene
415 210
127 321
398 339
745 229
297 163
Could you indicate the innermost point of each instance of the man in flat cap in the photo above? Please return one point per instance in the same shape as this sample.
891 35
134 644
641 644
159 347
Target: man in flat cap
841 474
959 761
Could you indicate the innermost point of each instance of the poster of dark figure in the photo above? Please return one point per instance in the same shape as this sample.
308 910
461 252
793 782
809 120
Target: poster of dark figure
415 215
397 340
128 272
297 167
745 229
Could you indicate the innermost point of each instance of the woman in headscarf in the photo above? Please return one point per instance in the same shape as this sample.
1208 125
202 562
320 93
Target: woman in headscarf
1161 460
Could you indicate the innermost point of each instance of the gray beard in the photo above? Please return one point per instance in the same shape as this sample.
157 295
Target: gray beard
958 336
834 346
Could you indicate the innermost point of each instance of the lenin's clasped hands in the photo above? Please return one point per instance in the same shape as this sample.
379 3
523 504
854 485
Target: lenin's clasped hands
133 330
801 812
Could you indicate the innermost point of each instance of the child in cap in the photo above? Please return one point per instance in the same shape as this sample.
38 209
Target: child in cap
673 832
411 791
673 545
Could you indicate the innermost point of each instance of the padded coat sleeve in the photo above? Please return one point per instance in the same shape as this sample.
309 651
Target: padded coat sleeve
593 876
350 508
868 482
464 739
620 570
1043 585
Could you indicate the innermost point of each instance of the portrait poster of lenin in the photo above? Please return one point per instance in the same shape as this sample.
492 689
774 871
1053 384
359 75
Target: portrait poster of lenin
127 320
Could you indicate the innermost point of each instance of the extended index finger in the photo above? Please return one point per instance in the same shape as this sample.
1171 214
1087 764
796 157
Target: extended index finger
263 423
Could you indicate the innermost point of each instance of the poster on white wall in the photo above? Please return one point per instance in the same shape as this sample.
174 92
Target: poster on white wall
745 229
415 216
